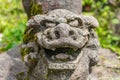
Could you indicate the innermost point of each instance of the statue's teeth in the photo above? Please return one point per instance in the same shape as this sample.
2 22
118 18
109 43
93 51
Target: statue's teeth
53 49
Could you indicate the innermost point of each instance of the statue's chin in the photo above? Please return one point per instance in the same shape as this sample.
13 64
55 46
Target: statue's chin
62 54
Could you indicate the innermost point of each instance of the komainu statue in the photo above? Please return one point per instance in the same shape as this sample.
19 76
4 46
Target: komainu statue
60 45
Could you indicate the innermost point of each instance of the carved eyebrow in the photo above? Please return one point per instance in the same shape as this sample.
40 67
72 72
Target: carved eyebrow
76 22
80 21
50 21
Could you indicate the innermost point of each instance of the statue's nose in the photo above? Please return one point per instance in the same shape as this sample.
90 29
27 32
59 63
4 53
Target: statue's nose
63 30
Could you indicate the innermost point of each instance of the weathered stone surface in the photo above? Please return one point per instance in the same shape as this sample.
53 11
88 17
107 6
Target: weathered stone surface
108 59
60 31
11 64
108 67
33 7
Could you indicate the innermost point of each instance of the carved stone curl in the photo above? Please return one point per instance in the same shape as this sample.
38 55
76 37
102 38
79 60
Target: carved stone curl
60 45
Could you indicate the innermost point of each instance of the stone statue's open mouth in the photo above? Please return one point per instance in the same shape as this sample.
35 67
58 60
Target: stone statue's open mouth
62 54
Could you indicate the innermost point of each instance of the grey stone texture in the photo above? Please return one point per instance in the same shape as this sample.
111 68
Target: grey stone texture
11 64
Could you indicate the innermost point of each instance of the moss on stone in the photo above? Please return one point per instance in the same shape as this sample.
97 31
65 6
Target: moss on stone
21 76
24 51
28 37
35 8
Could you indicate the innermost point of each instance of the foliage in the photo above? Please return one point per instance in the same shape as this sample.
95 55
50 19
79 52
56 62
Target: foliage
12 23
102 10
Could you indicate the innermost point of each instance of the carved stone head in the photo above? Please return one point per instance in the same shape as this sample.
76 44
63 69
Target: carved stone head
55 41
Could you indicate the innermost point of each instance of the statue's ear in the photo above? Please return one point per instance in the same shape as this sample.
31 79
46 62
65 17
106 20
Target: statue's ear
90 21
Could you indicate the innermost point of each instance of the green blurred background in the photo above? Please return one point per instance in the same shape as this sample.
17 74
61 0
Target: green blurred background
12 23
13 20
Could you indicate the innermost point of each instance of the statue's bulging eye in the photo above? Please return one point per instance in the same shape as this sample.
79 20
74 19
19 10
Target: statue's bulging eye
50 24
42 25
74 23
80 22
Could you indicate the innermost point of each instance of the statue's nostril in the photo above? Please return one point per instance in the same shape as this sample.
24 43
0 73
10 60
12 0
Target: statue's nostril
71 33
48 36
74 38
57 34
